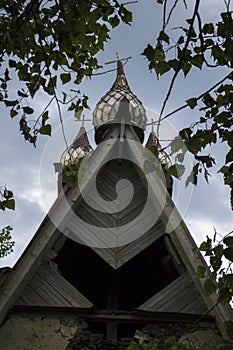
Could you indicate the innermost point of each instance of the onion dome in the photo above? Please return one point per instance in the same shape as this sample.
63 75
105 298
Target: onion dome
78 149
108 109
162 156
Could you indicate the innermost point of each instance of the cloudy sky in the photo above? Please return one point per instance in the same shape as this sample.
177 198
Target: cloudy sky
27 170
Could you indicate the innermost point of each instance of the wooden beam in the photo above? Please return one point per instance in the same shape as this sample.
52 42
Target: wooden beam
135 316
113 292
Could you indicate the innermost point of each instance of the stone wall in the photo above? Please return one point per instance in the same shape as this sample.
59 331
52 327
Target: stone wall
35 332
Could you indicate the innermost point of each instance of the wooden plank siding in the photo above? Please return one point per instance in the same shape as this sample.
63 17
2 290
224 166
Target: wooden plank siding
106 185
118 256
48 288
179 296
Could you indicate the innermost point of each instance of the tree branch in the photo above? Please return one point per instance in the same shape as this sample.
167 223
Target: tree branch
179 66
199 97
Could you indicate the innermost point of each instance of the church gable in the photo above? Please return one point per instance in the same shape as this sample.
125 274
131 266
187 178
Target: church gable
116 264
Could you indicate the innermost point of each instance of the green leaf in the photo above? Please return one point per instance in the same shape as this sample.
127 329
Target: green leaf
12 63
133 346
176 170
197 61
161 67
206 247
180 40
7 194
215 263
45 130
13 113
192 178
164 37
170 342
180 157
176 144
28 110
10 204
174 64
206 160
208 28
229 156
186 66
229 277
224 296
149 52
228 253
218 251
114 21
200 273
78 112
11 103
192 102
45 117
126 15
65 78
228 241
209 287
22 94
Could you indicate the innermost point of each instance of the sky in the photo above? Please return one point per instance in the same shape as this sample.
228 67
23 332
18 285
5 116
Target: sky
29 171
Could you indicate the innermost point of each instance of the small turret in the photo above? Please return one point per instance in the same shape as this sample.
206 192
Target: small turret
78 149
162 156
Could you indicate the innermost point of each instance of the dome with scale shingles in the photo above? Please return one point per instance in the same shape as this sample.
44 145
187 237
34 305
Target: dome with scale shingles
107 108
78 149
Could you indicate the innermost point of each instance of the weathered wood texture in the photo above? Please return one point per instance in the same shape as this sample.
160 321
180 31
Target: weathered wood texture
179 296
48 288
106 184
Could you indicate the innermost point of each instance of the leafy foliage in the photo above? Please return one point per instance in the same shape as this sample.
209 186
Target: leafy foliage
6 199
198 45
219 280
46 44
6 202
6 243
144 342
73 173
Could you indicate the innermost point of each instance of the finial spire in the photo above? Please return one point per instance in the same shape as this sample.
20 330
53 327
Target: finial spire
108 111
118 59
152 123
83 120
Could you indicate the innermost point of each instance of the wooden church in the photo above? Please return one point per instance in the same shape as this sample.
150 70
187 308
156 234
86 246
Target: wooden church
101 267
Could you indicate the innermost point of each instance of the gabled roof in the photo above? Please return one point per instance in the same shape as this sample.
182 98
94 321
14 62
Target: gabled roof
61 218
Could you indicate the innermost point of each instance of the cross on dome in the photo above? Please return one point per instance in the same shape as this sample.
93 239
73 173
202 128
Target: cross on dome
83 120
118 59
